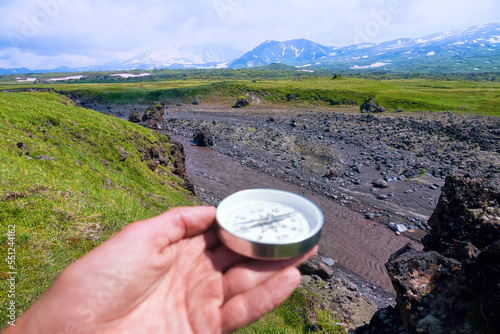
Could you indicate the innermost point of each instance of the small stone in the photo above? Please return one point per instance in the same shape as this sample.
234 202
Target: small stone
369 215
45 158
23 147
381 183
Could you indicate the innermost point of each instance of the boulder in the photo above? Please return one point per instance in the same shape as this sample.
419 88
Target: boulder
203 137
135 117
484 276
371 106
123 153
331 174
453 285
153 117
23 147
466 211
430 290
381 183
45 158
384 321
240 103
316 266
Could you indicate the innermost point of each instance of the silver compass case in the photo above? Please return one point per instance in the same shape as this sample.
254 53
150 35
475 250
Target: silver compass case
269 249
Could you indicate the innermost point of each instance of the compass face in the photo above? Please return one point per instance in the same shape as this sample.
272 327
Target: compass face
268 223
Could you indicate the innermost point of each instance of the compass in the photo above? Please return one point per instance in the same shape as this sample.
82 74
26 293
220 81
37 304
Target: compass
269 224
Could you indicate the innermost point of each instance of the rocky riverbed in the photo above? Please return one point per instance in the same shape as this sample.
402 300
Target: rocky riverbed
394 163
377 177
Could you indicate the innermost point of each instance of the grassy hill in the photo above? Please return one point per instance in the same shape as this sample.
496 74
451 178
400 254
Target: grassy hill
69 179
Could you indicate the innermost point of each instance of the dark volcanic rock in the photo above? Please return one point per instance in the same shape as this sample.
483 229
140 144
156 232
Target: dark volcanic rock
135 117
153 117
429 287
485 282
177 153
381 183
331 174
371 106
467 211
123 153
384 321
203 137
45 158
316 266
23 147
240 103
453 285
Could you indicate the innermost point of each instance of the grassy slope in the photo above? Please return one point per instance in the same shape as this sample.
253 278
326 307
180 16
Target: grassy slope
63 208
408 94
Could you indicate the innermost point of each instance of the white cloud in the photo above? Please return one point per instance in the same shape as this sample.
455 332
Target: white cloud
77 32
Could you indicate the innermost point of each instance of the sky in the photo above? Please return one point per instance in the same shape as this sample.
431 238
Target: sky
45 34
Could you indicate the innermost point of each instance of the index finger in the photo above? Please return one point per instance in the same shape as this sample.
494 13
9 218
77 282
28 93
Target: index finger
174 225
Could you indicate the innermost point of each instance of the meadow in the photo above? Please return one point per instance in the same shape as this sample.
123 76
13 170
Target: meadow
284 87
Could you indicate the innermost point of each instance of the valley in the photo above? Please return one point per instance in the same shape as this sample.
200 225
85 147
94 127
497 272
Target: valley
377 176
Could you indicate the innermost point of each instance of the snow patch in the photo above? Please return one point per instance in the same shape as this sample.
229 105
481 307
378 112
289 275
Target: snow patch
222 65
74 77
18 79
130 75
374 65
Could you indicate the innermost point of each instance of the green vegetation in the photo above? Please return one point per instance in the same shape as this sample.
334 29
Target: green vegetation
281 86
297 315
79 193
81 190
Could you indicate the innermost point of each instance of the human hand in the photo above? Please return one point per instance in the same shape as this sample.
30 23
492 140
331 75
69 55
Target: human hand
167 274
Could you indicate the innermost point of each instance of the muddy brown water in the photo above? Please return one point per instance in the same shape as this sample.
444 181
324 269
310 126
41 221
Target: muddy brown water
358 244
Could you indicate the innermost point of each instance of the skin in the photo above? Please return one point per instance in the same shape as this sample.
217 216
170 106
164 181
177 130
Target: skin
167 274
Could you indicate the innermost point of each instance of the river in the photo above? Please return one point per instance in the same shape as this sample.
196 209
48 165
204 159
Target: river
347 237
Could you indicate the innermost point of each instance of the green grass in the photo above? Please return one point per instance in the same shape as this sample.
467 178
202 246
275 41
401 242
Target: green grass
62 208
477 97
296 315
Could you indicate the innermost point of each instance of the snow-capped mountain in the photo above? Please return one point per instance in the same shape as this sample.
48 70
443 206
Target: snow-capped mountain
292 52
183 57
469 49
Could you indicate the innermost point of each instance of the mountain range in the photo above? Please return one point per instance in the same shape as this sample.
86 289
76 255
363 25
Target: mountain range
475 48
